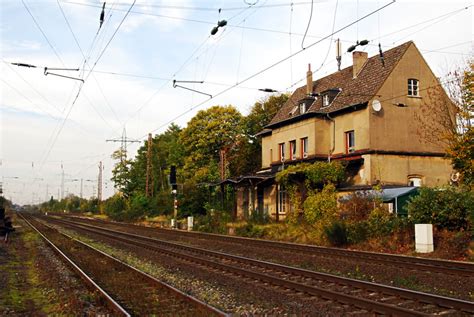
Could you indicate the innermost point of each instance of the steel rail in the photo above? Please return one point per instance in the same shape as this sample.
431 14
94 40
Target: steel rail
436 300
93 285
410 262
204 307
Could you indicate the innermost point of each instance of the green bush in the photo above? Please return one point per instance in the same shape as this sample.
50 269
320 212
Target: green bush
115 207
357 232
139 207
446 208
336 233
214 221
250 230
257 217
321 206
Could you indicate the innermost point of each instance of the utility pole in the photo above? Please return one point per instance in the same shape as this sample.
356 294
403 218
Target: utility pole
148 168
62 182
81 189
123 143
99 185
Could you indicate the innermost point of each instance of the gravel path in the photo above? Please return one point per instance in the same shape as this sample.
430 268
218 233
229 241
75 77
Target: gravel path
35 282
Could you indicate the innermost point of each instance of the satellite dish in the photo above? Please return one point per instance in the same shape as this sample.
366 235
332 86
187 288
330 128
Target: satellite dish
376 105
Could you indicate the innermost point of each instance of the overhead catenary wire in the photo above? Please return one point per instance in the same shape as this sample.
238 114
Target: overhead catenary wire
82 85
86 63
223 34
309 23
272 65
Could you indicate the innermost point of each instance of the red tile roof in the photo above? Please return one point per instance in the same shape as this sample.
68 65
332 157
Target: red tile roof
354 91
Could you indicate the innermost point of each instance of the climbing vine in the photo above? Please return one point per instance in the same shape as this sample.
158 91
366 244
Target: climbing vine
314 175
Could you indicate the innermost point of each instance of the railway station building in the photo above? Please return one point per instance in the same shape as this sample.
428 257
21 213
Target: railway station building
372 115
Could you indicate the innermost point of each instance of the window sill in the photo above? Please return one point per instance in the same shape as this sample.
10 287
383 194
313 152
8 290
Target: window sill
416 97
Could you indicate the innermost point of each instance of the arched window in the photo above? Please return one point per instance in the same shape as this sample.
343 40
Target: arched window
414 181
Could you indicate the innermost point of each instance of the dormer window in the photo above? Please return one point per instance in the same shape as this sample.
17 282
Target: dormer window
302 107
413 87
325 100
329 95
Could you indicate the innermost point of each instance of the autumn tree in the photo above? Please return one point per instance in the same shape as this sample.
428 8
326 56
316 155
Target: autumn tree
451 124
208 132
246 156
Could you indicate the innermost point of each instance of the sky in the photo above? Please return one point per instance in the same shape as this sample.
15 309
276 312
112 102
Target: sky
52 125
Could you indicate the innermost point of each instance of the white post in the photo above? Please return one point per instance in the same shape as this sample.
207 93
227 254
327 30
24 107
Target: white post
424 238
173 223
190 223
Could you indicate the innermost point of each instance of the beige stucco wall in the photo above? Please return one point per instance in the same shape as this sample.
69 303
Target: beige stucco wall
357 121
269 200
317 130
395 128
395 169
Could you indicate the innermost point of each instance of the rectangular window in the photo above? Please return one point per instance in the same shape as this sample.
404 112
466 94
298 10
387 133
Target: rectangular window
326 100
281 146
282 200
302 107
293 150
350 141
413 87
304 147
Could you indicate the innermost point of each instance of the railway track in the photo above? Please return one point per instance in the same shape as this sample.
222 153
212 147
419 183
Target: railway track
457 268
126 290
364 297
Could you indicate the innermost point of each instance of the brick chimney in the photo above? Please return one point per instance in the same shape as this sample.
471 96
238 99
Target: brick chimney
358 62
309 81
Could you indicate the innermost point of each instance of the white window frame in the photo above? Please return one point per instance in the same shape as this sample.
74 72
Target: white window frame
350 141
304 147
326 100
282 200
302 107
281 147
292 149
413 87
415 181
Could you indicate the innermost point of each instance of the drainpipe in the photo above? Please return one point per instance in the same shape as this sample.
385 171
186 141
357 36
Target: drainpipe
333 137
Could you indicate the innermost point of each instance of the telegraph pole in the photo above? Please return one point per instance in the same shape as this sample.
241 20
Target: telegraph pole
62 182
99 185
81 188
148 167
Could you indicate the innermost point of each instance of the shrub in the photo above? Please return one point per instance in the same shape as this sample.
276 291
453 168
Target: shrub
250 230
214 221
115 207
357 232
446 208
451 245
321 206
357 206
336 233
380 222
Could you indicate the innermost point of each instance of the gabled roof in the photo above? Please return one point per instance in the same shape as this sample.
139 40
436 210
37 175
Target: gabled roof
353 91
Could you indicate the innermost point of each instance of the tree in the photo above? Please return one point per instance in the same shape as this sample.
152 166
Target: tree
246 156
447 119
208 132
121 170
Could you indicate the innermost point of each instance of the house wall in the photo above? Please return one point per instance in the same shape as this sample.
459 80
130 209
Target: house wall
396 128
396 169
357 121
317 130
269 200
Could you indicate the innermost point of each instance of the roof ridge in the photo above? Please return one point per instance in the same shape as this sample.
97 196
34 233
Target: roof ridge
357 90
